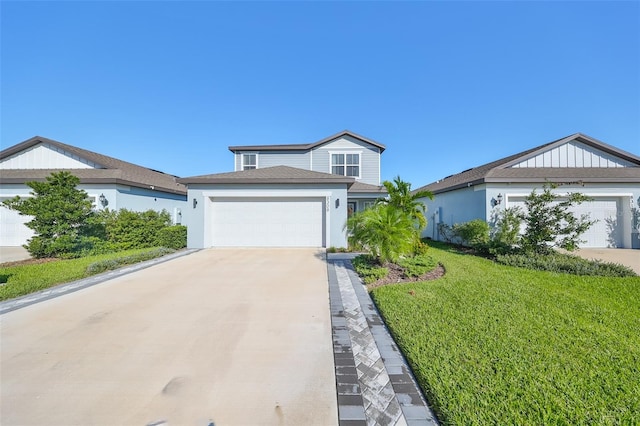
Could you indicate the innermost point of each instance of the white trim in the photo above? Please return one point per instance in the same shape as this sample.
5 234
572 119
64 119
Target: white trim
379 172
242 165
345 153
311 160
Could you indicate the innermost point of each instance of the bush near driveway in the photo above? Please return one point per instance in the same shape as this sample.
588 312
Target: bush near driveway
494 344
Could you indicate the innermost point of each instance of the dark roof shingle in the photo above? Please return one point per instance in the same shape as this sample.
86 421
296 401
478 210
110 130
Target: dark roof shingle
499 170
304 147
276 174
112 171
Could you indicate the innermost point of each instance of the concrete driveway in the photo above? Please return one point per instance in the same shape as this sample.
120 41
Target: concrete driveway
230 336
12 254
627 257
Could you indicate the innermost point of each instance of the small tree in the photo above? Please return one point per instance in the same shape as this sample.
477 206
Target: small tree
401 197
549 223
61 215
386 231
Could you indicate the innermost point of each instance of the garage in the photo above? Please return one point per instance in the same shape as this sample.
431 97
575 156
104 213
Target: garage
13 231
268 222
606 232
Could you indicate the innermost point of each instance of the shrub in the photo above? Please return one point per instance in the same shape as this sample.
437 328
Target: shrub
61 215
386 231
368 268
505 235
549 223
417 265
565 263
107 265
126 229
174 237
474 233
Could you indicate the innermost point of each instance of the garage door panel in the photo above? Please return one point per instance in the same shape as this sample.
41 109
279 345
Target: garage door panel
13 231
268 222
606 232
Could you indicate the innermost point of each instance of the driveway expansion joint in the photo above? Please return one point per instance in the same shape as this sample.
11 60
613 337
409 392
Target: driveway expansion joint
383 391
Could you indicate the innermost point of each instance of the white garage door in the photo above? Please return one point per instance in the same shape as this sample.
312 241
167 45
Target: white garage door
606 232
13 232
268 222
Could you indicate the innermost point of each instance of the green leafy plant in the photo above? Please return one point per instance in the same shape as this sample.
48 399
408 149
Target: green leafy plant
368 268
505 234
474 233
416 266
549 223
61 215
127 229
384 230
401 197
109 264
173 237
565 263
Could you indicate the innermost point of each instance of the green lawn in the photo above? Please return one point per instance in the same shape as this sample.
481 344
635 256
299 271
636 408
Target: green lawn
19 280
493 344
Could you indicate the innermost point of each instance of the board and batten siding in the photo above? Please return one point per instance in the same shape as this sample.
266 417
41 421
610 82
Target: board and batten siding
369 158
45 156
573 154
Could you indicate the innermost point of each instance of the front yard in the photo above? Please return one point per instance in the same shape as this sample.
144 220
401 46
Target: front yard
35 275
494 344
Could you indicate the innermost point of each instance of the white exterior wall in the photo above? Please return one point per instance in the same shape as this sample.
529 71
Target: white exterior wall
628 196
45 156
574 154
466 204
118 197
454 207
199 221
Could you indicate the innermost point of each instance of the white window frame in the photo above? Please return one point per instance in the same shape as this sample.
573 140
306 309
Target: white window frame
243 165
345 165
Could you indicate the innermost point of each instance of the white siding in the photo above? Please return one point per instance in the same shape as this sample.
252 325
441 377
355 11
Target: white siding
44 156
573 154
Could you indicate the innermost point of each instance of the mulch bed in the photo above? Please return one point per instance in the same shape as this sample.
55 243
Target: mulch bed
396 276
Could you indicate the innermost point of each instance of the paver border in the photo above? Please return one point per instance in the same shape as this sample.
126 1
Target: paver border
66 288
412 401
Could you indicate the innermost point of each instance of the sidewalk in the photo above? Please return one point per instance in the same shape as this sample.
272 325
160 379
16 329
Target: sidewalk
375 384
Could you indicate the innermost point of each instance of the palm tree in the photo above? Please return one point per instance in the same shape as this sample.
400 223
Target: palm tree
401 197
384 230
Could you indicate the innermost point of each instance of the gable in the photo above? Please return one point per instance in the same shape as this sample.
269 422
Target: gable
346 142
573 154
46 156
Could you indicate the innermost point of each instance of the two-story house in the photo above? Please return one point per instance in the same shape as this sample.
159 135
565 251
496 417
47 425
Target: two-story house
286 195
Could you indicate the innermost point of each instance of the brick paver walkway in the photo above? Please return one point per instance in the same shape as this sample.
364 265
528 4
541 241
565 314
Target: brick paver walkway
375 384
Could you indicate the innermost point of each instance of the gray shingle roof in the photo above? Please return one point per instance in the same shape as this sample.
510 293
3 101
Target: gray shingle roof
499 171
366 188
112 170
277 174
304 147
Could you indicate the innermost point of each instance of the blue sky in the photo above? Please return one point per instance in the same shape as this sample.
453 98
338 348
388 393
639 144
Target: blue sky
444 85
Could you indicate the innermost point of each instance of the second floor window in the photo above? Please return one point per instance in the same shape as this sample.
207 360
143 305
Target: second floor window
346 164
249 161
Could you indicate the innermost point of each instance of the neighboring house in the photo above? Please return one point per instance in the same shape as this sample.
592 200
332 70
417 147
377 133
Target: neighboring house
578 163
109 182
286 195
